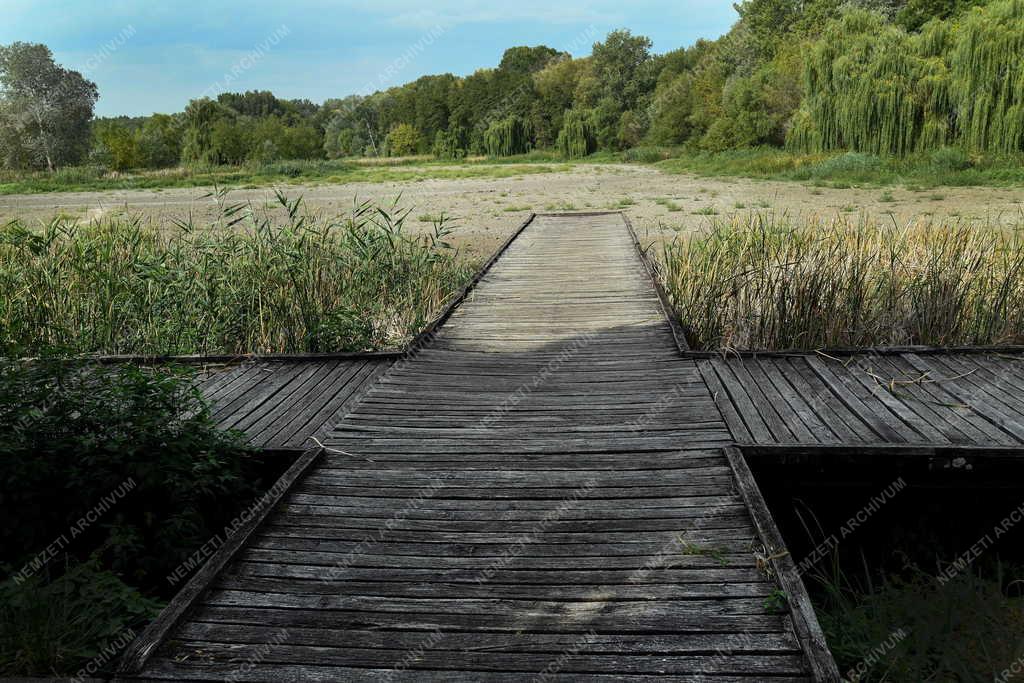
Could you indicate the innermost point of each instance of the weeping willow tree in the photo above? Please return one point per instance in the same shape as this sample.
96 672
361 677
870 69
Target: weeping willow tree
507 137
576 138
869 86
448 144
987 62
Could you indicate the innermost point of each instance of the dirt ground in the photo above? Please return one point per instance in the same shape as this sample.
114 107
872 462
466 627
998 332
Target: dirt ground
488 209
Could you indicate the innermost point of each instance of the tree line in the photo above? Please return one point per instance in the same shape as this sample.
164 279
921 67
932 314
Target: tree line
879 76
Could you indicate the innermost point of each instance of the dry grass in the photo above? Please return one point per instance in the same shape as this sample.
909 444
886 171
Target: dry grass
771 282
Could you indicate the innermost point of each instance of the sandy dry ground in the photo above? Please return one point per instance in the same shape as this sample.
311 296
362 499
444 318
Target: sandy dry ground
487 209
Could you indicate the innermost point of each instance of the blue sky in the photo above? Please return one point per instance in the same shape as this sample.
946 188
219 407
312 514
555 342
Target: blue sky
148 56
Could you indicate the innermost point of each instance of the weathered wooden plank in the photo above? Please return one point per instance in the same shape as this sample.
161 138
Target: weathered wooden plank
847 427
755 422
879 421
768 664
805 423
500 642
542 571
194 670
804 620
541 467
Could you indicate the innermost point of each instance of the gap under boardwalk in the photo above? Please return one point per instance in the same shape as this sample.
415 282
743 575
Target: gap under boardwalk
539 494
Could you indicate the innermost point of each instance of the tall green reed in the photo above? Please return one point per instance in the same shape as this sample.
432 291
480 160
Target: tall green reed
270 279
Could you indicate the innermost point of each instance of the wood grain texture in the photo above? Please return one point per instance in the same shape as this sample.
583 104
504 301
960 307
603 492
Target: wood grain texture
972 400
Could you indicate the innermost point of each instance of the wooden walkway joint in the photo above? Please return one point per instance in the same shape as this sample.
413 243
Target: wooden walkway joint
544 490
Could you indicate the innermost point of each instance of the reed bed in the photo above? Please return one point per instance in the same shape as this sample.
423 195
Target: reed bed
259 280
769 282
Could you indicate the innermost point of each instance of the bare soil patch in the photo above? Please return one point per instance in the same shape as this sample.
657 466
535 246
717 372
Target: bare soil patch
488 209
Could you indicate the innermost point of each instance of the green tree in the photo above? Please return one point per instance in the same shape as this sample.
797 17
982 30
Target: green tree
45 109
555 86
119 143
449 144
160 141
228 143
576 138
200 117
670 110
507 137
621 66
402 140
916 13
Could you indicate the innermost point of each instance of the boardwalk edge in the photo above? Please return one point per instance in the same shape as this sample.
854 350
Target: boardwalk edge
805 621
139 652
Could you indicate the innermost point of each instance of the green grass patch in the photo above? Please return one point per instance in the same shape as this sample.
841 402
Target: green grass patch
945 167
622 203
92 178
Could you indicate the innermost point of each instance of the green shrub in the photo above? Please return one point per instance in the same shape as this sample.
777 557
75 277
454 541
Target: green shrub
133 452
86 615
648 155
849 165
403 140
949 159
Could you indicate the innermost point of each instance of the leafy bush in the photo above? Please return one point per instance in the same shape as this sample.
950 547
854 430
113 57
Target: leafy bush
133 452
848 165
86 615
403 140
648 155
111 476
948 159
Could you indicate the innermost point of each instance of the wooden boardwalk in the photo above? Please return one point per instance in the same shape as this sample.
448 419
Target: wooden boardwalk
283 404
966 399
543 492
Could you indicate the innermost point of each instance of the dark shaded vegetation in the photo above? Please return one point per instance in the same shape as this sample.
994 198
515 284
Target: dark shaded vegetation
917 574
110 478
